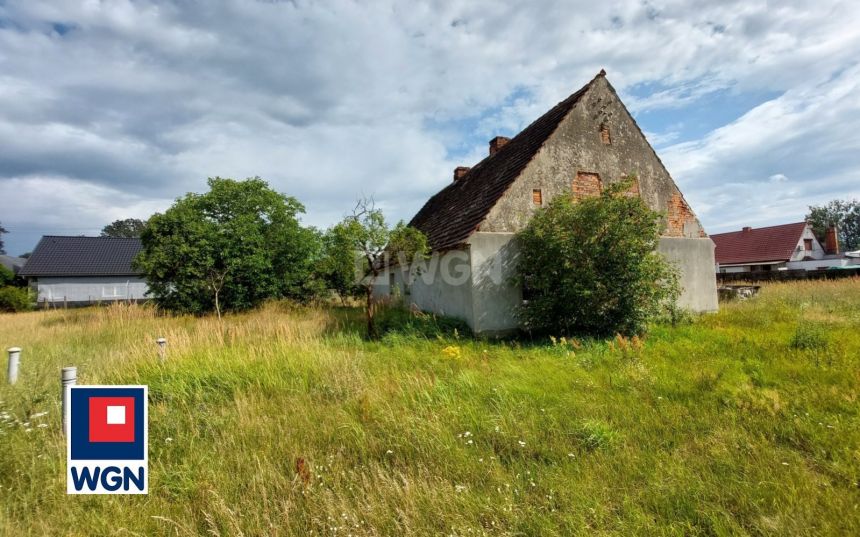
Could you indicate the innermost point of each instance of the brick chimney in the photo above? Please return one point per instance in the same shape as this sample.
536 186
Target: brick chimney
497 143
460 171
831 241
746 229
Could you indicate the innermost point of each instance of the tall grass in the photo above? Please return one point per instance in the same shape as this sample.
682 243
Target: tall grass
284 421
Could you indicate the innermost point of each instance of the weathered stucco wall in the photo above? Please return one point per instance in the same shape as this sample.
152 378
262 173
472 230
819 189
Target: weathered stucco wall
495 296
695 261
578 146
90 289
441 285
476 285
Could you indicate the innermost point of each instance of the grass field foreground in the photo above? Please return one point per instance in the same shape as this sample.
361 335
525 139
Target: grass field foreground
284 421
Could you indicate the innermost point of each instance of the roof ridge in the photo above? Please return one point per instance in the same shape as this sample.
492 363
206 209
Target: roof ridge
761 228
448 220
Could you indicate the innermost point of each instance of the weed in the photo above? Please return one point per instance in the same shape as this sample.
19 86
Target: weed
809 336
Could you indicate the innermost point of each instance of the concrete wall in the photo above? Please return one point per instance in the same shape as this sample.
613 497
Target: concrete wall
576 146
695 261
90 289
476 285
441 285
495 297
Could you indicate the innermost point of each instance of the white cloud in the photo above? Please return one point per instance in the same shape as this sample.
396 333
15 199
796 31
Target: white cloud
329 100
734 175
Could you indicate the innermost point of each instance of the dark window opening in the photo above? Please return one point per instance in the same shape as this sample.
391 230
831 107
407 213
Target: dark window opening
807 244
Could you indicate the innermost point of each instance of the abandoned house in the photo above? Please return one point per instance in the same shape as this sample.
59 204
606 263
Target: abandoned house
77 271
784 247
584 143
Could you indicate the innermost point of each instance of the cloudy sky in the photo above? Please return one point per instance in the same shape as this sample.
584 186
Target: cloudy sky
111 109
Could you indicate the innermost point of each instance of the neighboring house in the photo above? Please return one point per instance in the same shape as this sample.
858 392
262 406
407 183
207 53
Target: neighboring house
15 264
783 247
85 270
584 143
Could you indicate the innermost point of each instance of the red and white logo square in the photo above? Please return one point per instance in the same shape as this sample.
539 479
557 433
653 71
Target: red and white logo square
111 419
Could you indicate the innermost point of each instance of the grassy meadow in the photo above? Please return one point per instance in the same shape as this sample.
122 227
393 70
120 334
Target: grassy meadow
284 421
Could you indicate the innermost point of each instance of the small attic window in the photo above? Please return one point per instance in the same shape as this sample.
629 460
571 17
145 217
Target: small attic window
537 197
604 134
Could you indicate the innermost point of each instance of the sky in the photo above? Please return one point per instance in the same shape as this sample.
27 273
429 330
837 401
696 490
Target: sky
113 109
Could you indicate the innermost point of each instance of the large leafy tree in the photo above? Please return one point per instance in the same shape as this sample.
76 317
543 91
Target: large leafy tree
378 246
228 249
844 214
337 266
590 267
2 232
130 227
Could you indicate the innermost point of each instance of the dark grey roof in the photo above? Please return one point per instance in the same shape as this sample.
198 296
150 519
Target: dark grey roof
82 256
12 263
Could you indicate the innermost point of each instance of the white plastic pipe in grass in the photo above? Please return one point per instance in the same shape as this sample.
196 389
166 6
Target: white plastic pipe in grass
162 348
14 361
69 378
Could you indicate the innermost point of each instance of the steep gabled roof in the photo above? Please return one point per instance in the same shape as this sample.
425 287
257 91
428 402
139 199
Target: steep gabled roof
453 214
82 256
774 243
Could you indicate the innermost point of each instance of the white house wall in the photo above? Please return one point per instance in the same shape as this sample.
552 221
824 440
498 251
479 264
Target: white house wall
817 251
90 289
823 263
440 285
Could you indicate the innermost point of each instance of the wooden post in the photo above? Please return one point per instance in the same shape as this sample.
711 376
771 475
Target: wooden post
14 359
69 378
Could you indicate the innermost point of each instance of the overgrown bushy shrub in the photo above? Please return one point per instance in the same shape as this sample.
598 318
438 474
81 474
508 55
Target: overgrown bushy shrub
6 276
229 249
14 299
590 266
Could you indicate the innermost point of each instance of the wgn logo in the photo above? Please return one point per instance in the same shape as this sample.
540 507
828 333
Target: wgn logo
108 440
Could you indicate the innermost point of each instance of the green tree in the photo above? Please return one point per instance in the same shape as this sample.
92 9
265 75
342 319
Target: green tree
14 299
379 246
590 267
130 227
844 214
2 246
338 262
228 249
6 276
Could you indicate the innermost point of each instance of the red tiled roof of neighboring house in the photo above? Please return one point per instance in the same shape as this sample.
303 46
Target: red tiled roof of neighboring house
774 243
453 214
